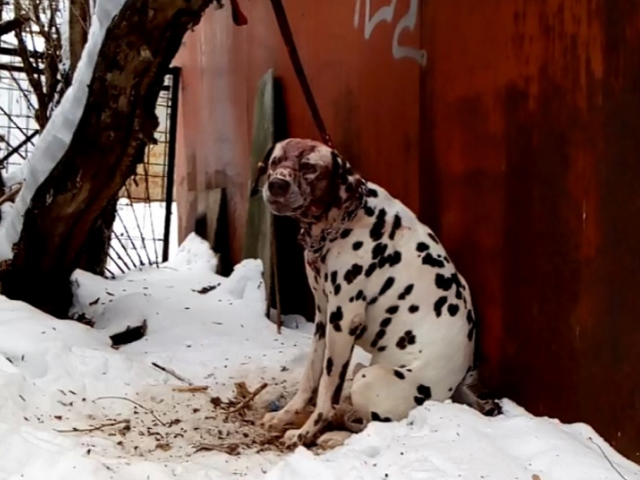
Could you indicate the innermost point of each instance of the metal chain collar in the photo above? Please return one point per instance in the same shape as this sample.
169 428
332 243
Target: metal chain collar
315 243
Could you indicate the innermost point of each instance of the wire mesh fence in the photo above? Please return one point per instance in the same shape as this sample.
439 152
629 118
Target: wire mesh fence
142 230
18 128
143 233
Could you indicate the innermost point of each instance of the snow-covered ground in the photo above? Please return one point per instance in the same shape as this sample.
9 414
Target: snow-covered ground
57 376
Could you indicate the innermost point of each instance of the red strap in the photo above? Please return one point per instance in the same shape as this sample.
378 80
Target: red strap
239 18
287 36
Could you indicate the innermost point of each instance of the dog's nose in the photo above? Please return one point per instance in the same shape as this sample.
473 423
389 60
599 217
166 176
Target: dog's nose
279 187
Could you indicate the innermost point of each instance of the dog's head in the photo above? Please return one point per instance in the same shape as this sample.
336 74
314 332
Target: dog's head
306 179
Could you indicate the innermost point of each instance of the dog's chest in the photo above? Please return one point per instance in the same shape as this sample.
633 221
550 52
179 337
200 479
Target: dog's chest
317 275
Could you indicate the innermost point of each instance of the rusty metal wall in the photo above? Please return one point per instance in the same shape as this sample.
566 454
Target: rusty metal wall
517 142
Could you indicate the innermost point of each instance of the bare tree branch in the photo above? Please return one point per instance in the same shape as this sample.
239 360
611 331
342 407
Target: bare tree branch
11 25
43 70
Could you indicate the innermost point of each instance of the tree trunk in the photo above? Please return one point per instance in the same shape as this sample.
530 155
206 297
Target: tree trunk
117 121
79 22
95 251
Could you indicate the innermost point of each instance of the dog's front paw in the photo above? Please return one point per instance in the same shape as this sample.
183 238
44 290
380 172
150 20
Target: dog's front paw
275 421
312 428
293 439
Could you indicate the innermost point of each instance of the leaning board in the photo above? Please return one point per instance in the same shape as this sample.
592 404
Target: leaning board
258 238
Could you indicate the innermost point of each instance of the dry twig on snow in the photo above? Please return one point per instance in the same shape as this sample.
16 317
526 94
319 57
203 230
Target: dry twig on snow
146 409
172 373
97 427
249 399
229 449
608 459
191 388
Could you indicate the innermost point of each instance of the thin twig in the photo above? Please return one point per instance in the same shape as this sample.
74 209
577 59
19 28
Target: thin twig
148 410
229 449
608 460
12 25
96 428
249 399
191 388
32 74
172 373
11 195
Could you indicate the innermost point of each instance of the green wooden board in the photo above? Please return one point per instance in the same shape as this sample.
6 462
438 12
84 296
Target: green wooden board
257 241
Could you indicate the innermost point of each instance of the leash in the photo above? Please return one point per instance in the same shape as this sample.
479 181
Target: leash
298 68
237 16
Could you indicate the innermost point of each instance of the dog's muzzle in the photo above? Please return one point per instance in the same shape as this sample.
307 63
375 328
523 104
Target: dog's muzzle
278 187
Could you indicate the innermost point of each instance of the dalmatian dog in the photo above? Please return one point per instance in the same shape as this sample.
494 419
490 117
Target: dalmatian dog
381 280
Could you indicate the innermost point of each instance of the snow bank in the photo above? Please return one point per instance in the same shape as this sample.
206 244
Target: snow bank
55 375
55 138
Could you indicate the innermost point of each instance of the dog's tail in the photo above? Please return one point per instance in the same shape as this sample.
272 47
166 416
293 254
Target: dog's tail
471 392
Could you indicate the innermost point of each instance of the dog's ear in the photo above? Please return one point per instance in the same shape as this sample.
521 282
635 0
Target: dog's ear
344 176
261 171
339 169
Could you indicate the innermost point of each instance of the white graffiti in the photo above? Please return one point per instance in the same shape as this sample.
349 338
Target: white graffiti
409 21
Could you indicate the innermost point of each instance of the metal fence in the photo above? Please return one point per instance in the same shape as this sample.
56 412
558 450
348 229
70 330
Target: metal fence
142 232
18 128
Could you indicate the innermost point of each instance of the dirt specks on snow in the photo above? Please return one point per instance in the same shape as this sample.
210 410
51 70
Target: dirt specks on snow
167 425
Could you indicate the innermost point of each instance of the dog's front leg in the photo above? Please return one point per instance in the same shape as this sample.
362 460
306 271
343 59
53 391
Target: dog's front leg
345 321
308 383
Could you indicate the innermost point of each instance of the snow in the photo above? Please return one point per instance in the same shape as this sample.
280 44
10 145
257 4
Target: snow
13 177
55 138
65 52
55 375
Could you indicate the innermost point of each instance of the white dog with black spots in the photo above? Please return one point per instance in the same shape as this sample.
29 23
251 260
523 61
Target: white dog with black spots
381 280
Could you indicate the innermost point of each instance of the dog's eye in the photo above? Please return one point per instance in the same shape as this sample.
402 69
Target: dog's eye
308 168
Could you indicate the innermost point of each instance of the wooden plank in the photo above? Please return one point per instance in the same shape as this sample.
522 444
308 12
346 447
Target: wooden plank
208 203
207 219
258 232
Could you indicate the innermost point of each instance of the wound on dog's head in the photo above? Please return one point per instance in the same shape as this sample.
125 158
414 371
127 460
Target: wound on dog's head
307 180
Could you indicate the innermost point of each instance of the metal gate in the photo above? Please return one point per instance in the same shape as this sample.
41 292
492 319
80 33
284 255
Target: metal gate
143 232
